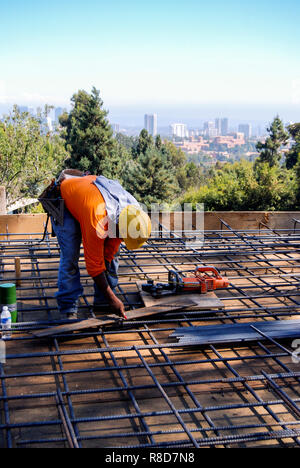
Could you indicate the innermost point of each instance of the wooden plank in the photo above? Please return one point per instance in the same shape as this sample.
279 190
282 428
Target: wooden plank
111 319
18 271
159 308
201 301
68 327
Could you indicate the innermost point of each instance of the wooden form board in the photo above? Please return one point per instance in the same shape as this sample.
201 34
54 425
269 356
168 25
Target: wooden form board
202 301
112 319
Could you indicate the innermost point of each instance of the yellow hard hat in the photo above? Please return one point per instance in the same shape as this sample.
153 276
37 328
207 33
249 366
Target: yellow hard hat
134 226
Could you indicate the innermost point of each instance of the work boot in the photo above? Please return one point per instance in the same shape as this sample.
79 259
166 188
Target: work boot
70 313
72 316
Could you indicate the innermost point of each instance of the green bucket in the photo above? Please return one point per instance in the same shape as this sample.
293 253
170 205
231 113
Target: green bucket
8 297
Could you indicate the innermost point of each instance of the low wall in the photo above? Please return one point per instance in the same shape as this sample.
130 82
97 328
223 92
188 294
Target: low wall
251 219
22 224
33 224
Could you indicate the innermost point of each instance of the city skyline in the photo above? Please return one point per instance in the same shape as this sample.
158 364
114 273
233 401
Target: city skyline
223 58
211 129
133 117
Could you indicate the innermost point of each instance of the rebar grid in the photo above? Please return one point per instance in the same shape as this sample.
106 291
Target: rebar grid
130 387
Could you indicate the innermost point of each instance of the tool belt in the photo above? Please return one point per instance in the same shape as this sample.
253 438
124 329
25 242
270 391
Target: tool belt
53 203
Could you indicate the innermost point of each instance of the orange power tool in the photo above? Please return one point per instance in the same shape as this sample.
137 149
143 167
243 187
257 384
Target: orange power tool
201 282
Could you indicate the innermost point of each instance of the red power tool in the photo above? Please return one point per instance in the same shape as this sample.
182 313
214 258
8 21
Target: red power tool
177 283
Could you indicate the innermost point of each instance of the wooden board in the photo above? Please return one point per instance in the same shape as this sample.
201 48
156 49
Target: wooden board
202 301
112 319
68 327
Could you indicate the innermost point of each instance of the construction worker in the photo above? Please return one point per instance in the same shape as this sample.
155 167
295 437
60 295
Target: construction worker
101 213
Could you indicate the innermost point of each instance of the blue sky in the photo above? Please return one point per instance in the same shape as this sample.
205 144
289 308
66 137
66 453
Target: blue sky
195 57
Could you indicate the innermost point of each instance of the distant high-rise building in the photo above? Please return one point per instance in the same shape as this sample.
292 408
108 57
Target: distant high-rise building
224 126
218 126
58 112
179 130
210 130
246 129
221 126
150 123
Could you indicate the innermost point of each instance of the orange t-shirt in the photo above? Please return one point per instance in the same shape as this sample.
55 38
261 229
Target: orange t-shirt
85 202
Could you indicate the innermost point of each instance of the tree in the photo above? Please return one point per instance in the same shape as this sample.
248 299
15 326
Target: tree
150 179
158 143
176 155
29 154
276 188
293 154
194 174
186 173
129 142
244 186
270 150
145 142
297 173
113 167
87 132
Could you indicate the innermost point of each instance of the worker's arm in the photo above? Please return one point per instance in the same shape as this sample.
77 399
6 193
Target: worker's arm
116 305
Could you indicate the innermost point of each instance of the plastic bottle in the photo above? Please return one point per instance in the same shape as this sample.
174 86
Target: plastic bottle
6 323
8 297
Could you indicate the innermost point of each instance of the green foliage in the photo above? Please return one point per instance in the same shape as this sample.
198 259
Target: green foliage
158 170
293 154
29 155
145 142
34 209
270 150
176 155
150 176
113 167
187 173
87 132
130 143
275 188
245 186
158 143
297 172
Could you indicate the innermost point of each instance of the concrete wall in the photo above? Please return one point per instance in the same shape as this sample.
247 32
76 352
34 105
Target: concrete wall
34 223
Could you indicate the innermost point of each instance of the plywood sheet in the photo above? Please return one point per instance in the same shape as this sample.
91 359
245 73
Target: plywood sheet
202 301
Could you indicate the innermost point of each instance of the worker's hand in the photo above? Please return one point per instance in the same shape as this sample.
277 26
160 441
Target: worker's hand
117 306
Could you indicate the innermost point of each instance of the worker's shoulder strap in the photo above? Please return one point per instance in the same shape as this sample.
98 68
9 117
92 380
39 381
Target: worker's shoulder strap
53 203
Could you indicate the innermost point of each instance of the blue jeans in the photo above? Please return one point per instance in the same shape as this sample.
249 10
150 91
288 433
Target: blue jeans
69 285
